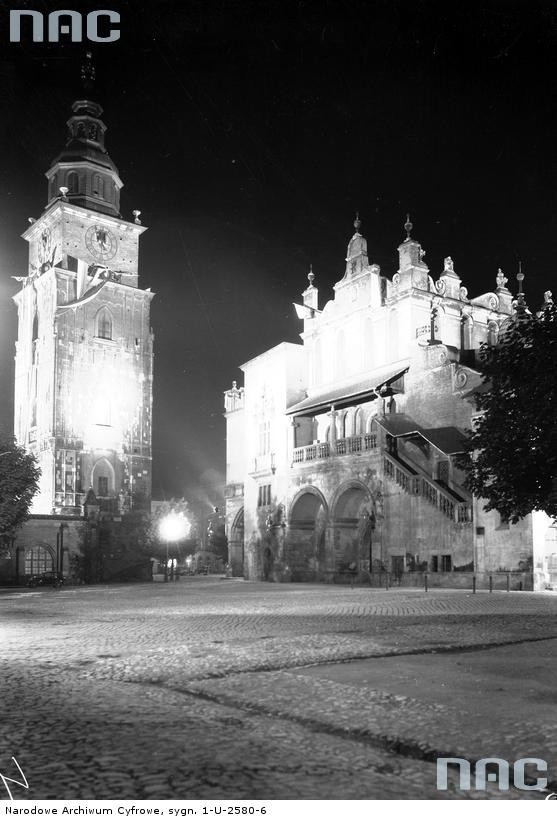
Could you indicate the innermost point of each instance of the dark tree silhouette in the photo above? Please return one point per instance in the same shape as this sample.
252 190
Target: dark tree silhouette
512 459
19 482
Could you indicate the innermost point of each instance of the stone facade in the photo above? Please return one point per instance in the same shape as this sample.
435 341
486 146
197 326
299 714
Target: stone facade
342 451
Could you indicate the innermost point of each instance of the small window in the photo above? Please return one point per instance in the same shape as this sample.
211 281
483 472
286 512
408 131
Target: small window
98 186
264 438
104 325
503 522
264 496
446 563
73 182
102 485
435 563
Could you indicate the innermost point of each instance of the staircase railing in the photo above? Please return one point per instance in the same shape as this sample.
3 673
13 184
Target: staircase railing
414 484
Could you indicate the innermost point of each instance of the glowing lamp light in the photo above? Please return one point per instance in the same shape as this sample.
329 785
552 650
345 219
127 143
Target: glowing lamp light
174 527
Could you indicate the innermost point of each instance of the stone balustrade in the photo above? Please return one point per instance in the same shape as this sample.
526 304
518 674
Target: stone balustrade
414 484
340 447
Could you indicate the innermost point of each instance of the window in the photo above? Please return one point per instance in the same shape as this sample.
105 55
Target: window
98 186
73 182
102 485
264 438
446 563
264 496
435 563
38 559
104 324
503 522
492 333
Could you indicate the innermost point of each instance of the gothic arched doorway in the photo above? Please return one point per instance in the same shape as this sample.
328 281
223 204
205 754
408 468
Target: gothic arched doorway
352 509
306 535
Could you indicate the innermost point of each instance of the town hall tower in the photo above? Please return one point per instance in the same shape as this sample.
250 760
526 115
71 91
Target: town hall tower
84 352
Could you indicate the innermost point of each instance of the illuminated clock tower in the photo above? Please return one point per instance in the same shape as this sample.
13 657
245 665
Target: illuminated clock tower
84 353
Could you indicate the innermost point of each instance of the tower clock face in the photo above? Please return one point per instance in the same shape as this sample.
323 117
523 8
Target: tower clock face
101 243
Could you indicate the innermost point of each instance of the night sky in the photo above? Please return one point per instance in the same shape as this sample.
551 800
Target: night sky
249 133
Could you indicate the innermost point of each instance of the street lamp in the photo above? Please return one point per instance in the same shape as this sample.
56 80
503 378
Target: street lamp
173 527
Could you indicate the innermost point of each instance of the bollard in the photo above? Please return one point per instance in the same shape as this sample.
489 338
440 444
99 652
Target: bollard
508 582
425 582
491 583
474 584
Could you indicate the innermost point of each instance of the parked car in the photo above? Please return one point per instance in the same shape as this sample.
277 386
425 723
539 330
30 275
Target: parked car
46 579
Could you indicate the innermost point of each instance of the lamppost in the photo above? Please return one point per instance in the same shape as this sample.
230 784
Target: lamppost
173 527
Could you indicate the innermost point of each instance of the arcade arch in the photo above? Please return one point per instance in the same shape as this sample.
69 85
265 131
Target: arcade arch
306 548
351 510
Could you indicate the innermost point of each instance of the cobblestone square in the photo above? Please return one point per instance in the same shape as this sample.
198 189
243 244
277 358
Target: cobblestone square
212 688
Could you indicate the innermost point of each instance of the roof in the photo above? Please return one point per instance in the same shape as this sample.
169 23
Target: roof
449 440
398 424
350 394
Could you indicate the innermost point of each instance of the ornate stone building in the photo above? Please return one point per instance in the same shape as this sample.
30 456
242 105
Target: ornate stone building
84 351
342 451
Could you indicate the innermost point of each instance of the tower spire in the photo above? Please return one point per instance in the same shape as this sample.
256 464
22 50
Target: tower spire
520 305
408 227
88 73
356 255
84 168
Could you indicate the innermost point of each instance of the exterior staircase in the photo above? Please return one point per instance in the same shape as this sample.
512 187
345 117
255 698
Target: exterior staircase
453 506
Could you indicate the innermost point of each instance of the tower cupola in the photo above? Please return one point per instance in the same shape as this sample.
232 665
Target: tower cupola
356 255
84 167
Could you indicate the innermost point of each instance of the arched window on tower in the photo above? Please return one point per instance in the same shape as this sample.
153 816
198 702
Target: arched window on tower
104 324
73 182
98 185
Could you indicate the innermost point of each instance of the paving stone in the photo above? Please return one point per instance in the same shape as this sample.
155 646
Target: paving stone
198 690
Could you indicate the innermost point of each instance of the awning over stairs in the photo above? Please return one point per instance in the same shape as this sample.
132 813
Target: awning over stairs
449 440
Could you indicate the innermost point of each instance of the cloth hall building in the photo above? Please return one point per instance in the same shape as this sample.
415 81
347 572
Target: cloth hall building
342 451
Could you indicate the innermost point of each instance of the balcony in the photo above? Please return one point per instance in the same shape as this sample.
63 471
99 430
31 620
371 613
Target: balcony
343 446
